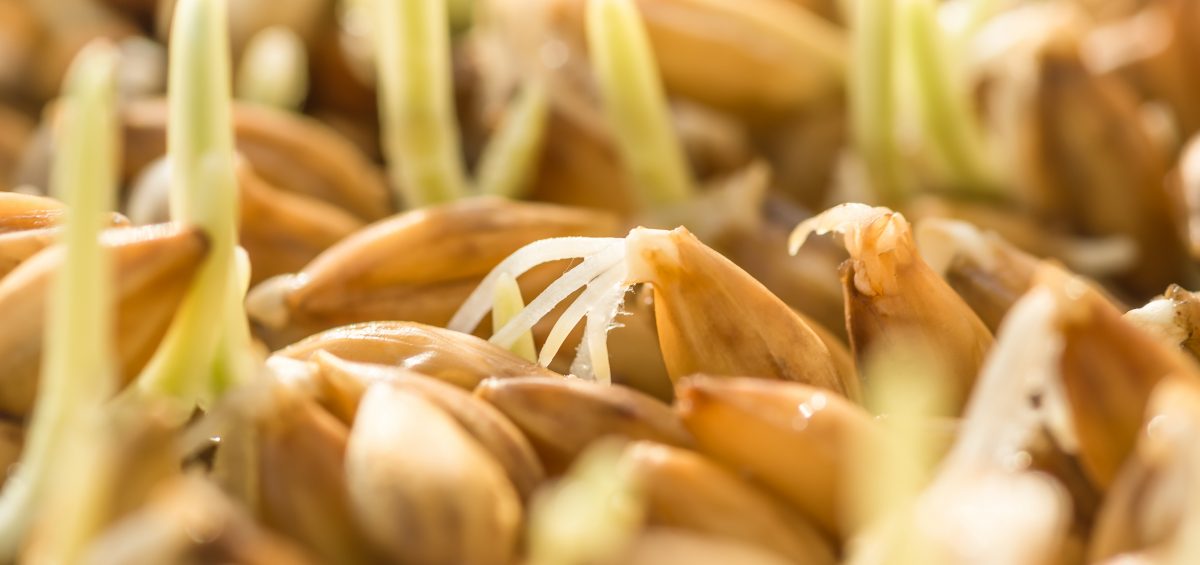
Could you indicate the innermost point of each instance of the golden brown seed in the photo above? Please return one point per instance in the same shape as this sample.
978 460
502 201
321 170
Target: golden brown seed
288 151
27 212
839 353
282 231
1109 368
12 440
808 281
804 151
16 129
16 247
685 490
300 478
562 417
984 269
459 359
1152 49
749 68
145 451
891 294
731 216
1148 498
791 438
154 266
342 384
716 144
1094 165
28 224
425 491
419 266
580 167
715 318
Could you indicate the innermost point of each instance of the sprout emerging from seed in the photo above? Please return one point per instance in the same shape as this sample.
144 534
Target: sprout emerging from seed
891 294
506 167
507 304
602 274
710 315
944 98
1027 514
416 108
635 103
78 371
872 95
416 102
591 515
205 349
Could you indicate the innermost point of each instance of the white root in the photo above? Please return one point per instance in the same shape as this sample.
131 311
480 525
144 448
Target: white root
558 291
603 274
600 319
477 306
598 287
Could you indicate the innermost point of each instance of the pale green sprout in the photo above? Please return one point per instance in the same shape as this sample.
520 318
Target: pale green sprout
591 515
946 107
235 359
205 344
410 45
507 165
506 304
872 95
987 466
636 105
416 101
274 69
907 386
78 366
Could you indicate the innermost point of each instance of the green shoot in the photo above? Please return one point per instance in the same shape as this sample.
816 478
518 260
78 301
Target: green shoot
635 102
872 96
235 359
511 156
907 387
78 367
947 110
274 69
590 515
204 193
506 304
416 101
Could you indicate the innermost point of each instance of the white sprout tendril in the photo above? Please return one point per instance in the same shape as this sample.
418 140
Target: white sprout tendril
602 275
